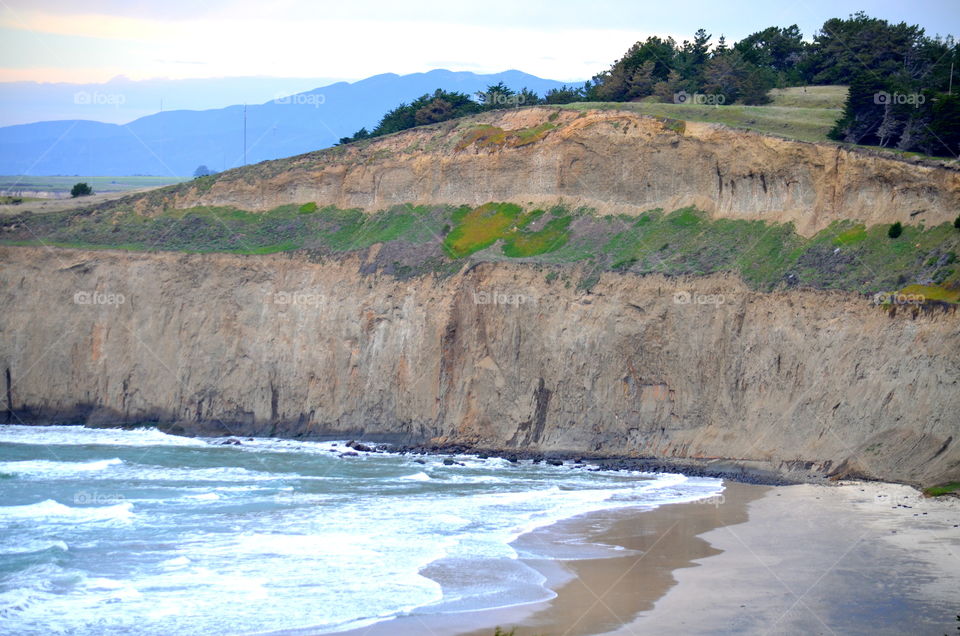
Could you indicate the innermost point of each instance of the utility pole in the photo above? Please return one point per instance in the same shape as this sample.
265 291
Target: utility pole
244 134
951 79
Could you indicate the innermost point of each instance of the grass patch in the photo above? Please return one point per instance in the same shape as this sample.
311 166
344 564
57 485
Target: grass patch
488 136
943 489
481 227
933 292
795 122
526 136
552 237
852 236
829 97
685 217
421 239
676 125
482 136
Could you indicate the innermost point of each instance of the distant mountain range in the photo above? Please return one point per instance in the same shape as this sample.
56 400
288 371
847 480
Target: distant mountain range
121 100
176 142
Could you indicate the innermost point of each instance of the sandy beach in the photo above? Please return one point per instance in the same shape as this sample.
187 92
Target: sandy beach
854 558
857 558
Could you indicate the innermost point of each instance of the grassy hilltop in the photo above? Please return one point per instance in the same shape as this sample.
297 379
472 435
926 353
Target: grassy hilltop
805 113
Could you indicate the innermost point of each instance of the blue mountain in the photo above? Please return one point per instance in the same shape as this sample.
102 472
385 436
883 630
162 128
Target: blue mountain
175 143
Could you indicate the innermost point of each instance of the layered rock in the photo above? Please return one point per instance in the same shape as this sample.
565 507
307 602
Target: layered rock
613 161
495 356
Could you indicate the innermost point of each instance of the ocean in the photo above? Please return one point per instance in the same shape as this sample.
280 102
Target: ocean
109 531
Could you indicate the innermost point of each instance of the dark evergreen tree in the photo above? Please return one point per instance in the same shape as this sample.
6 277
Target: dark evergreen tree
564 95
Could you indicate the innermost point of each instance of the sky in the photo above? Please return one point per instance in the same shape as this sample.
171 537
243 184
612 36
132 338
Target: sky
96 40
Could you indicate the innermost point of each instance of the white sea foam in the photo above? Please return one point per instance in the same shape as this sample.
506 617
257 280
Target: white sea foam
450 520
73 435
54 511
47 468
421 476
206 496
100 470
27 545
176 562
339 544
478 479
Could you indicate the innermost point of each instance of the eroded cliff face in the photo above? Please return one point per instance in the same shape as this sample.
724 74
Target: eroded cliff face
496 356
613 161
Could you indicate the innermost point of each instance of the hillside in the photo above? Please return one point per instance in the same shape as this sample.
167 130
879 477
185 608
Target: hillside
538 279
609 190
175 142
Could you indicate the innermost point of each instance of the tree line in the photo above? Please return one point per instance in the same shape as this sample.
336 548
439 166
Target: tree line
900 81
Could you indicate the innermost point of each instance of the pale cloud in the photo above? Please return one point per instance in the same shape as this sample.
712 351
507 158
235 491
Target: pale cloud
98 39
239 44
90 25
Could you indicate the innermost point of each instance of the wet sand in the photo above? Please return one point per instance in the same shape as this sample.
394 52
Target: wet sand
598 595
859 558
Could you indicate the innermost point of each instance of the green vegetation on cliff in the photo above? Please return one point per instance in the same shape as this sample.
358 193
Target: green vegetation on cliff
417 240
481 227
939 491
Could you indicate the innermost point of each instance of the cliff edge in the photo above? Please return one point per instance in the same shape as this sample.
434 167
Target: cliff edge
615 162
735 331
800 382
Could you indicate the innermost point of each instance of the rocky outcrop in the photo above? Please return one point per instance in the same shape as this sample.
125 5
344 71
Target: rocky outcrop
613 161
495 356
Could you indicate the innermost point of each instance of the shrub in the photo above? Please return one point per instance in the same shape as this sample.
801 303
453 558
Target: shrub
81 190
895 230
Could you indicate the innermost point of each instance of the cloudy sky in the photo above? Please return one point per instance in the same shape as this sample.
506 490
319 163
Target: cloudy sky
95 40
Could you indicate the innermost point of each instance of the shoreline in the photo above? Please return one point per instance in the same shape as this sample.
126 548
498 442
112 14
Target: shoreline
593 595
850 558
741 471
843 557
